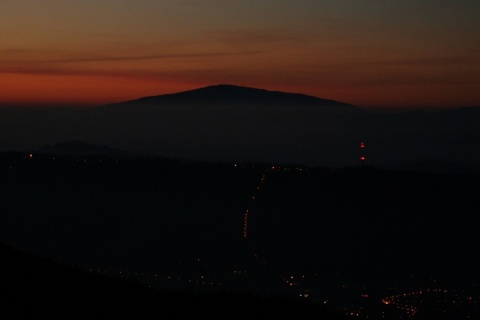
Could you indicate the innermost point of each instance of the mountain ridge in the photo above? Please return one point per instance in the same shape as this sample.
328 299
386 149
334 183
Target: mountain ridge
233 123
234 94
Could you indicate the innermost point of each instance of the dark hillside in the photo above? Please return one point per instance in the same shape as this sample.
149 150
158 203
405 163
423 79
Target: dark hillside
378 223
33 287
334 236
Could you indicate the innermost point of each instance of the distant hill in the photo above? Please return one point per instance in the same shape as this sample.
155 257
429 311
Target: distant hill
234 123
225 95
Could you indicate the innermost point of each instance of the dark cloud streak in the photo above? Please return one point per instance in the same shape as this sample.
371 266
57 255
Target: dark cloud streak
134 58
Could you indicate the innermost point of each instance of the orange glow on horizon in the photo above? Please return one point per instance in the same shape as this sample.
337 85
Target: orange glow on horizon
372 55
91 90
21 89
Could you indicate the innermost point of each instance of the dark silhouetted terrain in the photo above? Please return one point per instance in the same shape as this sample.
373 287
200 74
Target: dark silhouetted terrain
355 240
231 123
33 287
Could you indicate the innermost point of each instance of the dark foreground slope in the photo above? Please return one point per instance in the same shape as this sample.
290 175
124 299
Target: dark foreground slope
349 239
33 287
383 224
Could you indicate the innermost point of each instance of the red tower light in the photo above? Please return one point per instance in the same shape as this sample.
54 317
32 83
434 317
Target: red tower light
362 153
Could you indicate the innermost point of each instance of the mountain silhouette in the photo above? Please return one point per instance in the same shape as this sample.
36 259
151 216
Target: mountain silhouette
225 94
238 124
233 123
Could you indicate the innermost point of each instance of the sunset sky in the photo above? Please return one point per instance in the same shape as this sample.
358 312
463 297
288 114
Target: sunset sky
371 53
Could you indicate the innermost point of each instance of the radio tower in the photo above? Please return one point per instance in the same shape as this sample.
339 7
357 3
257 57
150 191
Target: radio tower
362 154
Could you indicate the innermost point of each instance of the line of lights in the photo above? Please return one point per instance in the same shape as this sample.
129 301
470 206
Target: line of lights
288 281
200 280
245 214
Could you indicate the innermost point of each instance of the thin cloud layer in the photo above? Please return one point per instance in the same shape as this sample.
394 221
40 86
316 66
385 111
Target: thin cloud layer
362 52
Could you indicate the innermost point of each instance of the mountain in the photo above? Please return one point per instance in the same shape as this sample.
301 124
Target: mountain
227 95
232 123
241 124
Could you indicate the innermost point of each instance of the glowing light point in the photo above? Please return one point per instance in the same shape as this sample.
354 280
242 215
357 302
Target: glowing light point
362 153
